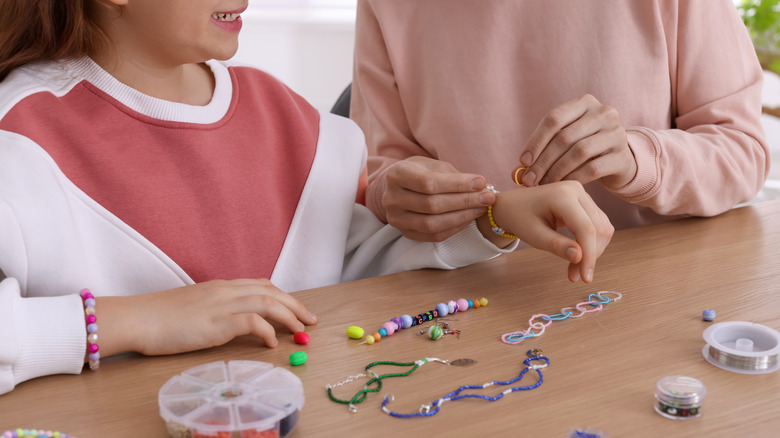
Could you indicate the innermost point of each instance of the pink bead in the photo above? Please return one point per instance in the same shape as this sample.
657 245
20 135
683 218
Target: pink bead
85 293
390 327
463 305
93 348
91 319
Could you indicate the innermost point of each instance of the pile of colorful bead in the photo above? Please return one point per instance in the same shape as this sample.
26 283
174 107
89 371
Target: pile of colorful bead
33 433
406 321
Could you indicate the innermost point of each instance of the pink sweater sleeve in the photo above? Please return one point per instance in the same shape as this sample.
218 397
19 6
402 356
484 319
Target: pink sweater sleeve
715 153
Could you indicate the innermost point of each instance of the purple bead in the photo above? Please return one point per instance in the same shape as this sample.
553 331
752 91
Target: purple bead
452 306
442 309
92 328
398 324
94 357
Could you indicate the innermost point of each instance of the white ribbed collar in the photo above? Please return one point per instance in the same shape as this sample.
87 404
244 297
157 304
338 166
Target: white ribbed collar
159 108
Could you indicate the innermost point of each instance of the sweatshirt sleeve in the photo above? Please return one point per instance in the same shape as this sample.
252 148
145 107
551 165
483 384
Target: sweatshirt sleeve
376 249
716 154
377 108
39 335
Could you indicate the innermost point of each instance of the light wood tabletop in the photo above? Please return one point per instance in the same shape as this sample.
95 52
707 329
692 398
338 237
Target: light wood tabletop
603 366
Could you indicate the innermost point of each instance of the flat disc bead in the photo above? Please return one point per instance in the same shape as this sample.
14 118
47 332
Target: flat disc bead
443 309
406 321
463 305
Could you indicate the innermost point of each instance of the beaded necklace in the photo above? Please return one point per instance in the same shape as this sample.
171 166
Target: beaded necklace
433 408
377 379
596 300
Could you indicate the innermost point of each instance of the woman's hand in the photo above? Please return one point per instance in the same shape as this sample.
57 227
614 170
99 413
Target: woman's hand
429 200
198 316
534 214
581 140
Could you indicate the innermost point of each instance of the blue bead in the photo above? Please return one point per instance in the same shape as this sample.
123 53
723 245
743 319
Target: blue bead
382 332
471 304
708 315
442 309
406 321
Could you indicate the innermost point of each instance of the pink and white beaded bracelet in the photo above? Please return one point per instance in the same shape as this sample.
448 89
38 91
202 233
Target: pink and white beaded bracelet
92 329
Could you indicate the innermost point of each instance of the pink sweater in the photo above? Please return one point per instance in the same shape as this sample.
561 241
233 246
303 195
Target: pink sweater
468 81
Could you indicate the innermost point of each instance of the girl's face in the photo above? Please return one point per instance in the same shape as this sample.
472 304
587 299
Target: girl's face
176 32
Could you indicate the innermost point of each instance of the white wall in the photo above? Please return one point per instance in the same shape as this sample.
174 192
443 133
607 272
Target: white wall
309 47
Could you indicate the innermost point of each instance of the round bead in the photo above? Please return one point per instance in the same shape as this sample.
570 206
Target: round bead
382 332
397 322
369 339
442 309
92 328
91 319
377 336
94 357
483 301
354 332
389 328
708 315
89 310
452 306
298 358
435 332
406 321
477 304
92 338
463 305
301 338
93 348
89 302
471 304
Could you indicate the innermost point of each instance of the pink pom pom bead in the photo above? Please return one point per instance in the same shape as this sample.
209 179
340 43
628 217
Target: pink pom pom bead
390 327
463 305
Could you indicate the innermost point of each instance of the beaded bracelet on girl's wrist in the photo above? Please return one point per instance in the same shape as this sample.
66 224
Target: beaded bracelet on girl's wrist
92 329
493 225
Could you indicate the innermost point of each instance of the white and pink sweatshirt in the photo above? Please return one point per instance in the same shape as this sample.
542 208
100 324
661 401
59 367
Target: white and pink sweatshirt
103 187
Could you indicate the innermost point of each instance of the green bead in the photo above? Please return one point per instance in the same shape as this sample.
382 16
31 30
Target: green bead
298 358
435 332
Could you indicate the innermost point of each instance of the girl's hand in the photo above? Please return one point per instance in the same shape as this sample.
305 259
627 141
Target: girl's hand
581 140
534 214
198 316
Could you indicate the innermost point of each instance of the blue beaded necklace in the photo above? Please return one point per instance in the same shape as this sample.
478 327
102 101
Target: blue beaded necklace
433 408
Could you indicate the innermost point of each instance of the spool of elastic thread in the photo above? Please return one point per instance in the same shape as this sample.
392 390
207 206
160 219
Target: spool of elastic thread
679 397
742 347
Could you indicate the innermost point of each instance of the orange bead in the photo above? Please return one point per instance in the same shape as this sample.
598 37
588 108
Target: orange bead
476 304
377 336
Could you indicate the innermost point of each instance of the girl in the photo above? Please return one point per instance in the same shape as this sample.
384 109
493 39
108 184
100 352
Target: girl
190 196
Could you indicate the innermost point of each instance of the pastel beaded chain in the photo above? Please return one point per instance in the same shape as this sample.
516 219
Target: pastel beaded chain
433 408
405 321
33 433
596 300
361 395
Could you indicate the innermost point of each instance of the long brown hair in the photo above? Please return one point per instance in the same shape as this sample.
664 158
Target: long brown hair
34 30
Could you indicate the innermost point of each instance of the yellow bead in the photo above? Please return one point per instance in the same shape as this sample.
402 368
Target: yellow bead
483 301
369 339
355 332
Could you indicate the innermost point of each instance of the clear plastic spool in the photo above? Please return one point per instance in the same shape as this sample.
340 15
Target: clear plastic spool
239 398
679 397
742 347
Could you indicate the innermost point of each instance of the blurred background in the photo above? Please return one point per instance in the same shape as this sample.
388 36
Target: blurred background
308 45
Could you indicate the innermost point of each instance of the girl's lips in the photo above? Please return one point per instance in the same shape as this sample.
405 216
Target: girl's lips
229 21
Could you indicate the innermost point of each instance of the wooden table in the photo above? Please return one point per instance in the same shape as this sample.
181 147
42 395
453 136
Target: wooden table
604 365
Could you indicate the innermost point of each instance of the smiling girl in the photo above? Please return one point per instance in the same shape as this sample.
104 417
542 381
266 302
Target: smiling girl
185 197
